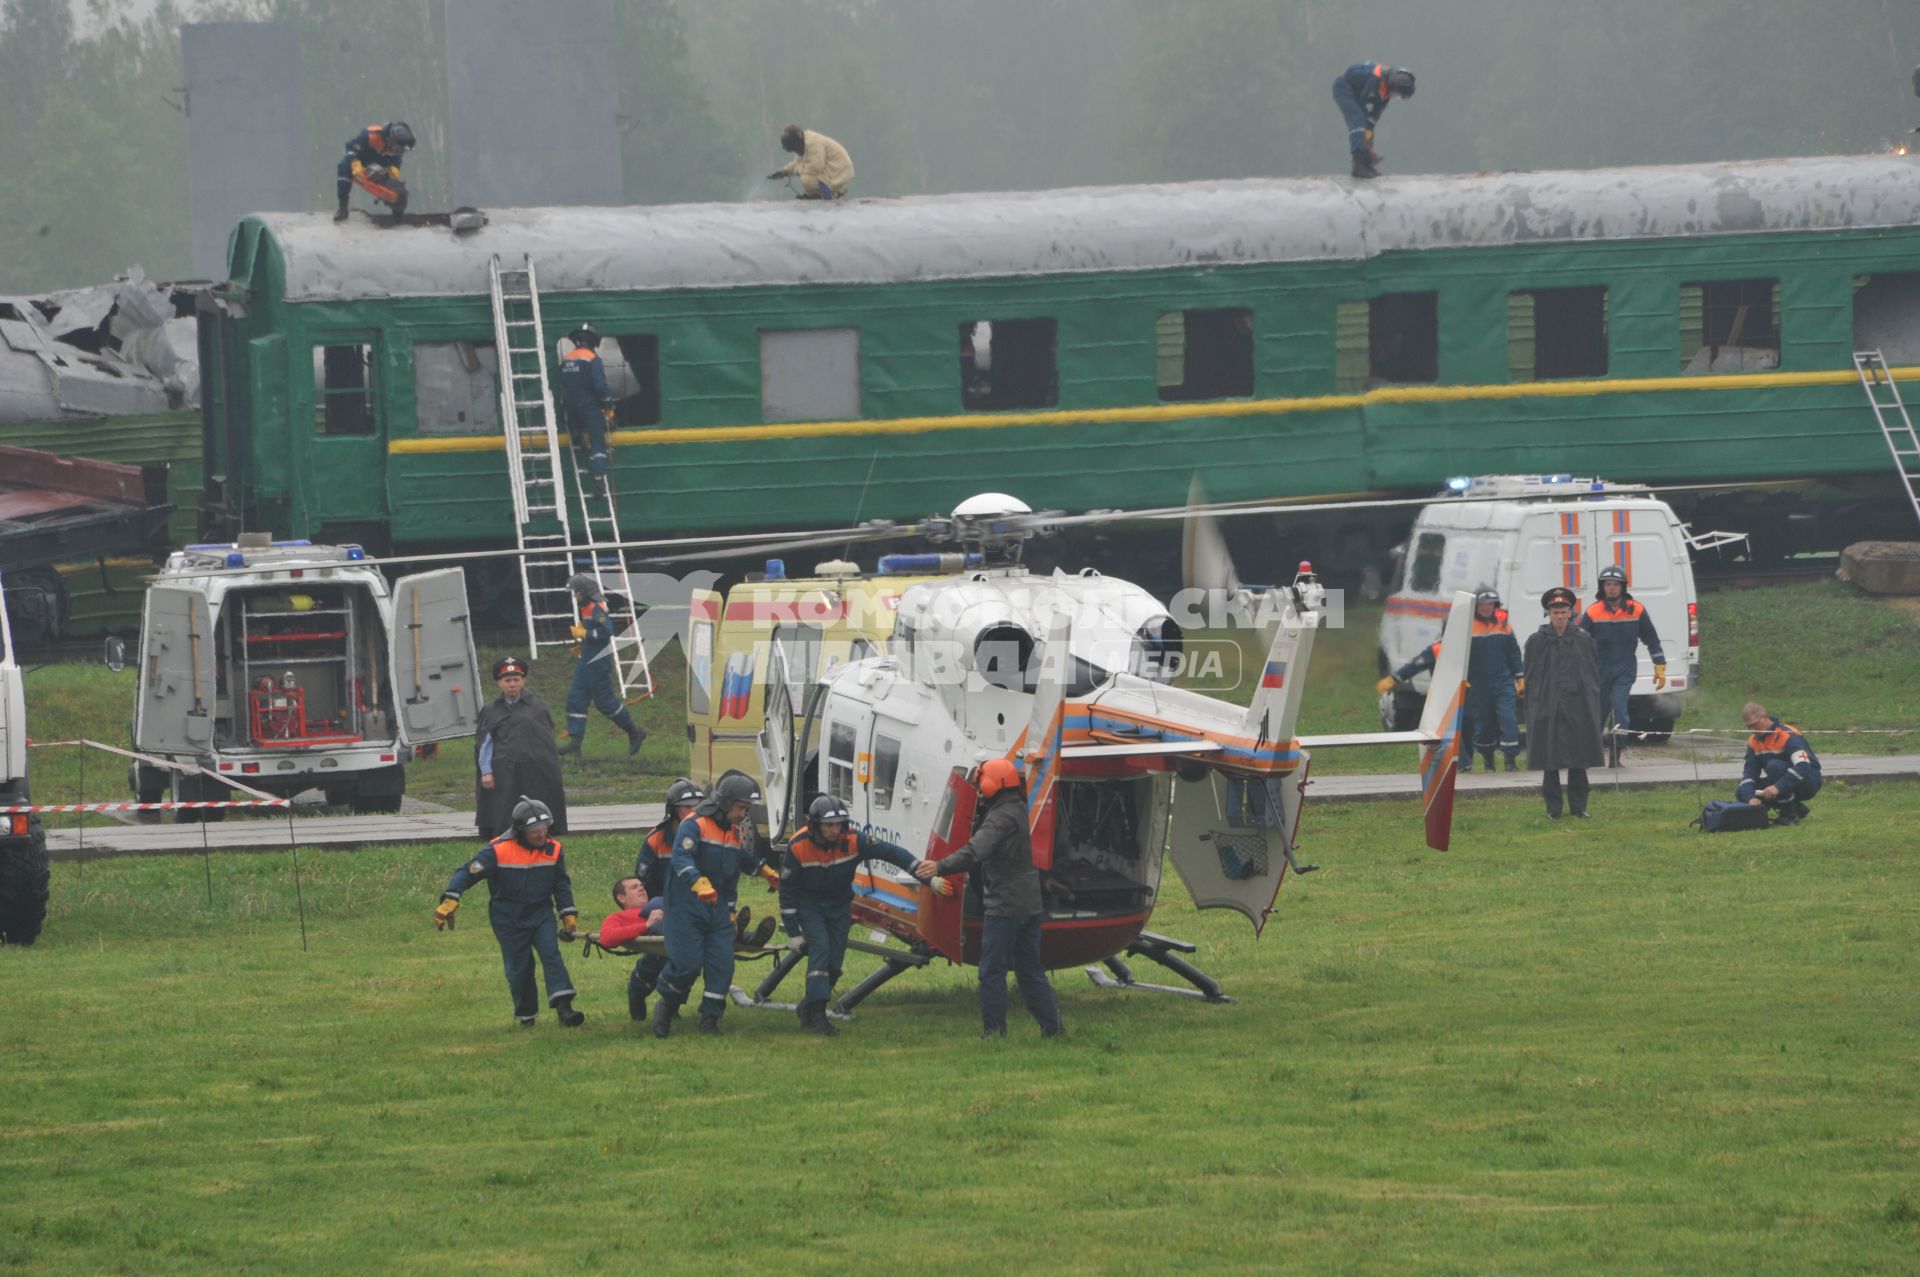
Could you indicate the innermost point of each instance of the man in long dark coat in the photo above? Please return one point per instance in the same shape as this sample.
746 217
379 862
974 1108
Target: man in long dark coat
1563 704
515 755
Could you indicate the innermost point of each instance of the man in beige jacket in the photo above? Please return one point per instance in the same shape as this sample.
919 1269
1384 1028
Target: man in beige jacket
823 166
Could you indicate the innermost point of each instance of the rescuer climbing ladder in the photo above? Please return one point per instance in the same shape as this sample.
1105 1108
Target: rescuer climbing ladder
1896 427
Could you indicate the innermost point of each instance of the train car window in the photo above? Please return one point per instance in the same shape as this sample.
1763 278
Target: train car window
1205 354
343 390
1557 333
886 765
1403 338
1350 348
456 388
1008 363
840 762
1429 555
632 364
810 375
1729 325
1886 316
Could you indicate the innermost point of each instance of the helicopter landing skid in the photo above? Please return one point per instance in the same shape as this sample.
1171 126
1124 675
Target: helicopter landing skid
895 962
1166 951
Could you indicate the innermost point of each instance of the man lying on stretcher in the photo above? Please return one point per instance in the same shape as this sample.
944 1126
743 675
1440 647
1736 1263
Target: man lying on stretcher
639 916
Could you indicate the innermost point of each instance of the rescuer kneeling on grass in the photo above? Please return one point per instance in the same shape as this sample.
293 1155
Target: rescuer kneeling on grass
816 896
1782 771
1010 936
527 875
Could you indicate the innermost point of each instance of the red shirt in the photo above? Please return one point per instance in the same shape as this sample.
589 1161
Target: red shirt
628 924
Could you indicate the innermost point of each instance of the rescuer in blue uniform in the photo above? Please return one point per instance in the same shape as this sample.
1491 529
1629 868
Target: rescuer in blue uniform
1781 771
526 874
1362 93
650 867
373 161
816 896
594 683
1422 663
1495 676
589 400
1619 624
710 852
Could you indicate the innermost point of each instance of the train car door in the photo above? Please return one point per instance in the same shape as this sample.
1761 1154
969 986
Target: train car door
436 676
346 478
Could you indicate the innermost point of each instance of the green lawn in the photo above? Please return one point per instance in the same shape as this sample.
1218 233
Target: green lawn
1614 1046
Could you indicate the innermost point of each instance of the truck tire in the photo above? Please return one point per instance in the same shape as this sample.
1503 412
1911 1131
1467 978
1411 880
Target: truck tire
149 785
198 789
378 793
23 885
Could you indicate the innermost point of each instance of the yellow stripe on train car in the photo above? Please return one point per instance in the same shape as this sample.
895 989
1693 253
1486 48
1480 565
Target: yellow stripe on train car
1170 412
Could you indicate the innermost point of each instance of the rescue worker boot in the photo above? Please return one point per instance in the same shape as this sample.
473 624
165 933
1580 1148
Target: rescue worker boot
572 746
636 737
1486 757
569 1018
636 1004
817 1021
663 1013
1513 763
1466 762
710 1025
340 214
1363 167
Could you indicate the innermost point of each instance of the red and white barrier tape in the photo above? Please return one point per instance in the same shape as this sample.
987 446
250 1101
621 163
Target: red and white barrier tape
168 806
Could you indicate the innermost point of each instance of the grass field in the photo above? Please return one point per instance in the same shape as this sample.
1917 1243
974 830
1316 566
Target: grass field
1859 667
1614 1046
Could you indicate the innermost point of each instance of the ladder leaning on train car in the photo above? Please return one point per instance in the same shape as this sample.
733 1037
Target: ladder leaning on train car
1896 427
541 502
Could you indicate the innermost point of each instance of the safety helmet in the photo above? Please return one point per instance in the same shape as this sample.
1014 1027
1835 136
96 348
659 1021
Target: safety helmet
995 775
585 335
682 792
1400 81
400 134
1614 572
1486 594
825 810
583 583
529 812
735 787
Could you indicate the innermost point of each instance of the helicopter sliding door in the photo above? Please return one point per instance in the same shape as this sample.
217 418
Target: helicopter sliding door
1228 840
942 918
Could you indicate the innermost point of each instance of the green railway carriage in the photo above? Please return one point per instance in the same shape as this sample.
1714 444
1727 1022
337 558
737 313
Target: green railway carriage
789 364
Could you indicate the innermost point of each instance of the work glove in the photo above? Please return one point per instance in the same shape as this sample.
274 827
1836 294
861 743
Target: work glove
941 886
771 877
1520 685
607 413
443 914
704 890
579 631
1385 685
569 925
1659 675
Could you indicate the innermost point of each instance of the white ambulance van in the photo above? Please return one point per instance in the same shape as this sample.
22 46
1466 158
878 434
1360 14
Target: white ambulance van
1525 534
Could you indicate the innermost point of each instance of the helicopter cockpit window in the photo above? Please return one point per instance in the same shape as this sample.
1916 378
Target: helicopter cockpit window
886 765
1157 651
840 745
1423 574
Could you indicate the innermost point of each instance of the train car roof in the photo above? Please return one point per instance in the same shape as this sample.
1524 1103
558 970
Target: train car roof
1122 228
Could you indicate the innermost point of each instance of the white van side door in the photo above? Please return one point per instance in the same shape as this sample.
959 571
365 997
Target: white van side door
175 709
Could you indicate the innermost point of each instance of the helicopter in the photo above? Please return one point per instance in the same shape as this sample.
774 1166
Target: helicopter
1071 676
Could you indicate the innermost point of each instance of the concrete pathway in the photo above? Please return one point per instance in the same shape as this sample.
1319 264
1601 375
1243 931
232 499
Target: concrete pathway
1716 779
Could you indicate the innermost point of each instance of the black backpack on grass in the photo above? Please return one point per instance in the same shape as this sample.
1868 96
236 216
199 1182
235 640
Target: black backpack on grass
1724 817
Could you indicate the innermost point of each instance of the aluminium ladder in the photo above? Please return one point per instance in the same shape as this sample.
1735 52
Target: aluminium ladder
1896 427
534 477
600 523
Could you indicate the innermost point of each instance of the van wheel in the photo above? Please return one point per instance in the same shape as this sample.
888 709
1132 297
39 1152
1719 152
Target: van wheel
24 885
1657 729
379 793
149 785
